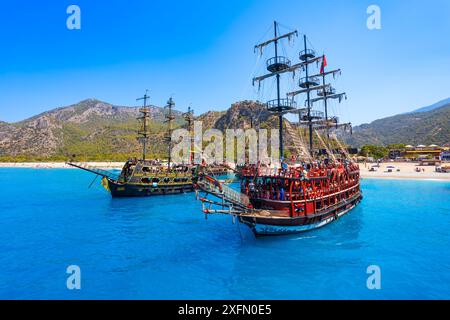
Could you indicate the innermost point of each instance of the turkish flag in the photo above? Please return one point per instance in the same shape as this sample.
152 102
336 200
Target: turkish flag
324 64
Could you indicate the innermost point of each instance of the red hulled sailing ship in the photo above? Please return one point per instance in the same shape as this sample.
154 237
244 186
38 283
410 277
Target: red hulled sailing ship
309 191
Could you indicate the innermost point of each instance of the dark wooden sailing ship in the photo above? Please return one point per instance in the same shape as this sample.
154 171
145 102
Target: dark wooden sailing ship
148 177
305 193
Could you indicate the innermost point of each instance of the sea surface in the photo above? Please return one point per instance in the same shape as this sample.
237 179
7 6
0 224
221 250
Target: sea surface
163 248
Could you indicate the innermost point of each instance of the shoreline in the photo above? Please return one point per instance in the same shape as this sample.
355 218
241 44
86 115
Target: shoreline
407 169
409 178
61 165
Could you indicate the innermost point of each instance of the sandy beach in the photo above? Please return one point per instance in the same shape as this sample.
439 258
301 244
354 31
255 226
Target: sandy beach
407 169
56 165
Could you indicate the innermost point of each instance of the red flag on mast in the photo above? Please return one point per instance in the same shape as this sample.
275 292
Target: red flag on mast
324 64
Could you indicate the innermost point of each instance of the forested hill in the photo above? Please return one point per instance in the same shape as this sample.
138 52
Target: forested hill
92 128
96 130
420 127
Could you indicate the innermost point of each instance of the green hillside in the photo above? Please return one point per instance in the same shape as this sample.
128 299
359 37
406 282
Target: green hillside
430 127
90 129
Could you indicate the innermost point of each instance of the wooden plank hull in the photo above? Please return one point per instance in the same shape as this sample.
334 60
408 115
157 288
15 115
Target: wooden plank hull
145 190
272 226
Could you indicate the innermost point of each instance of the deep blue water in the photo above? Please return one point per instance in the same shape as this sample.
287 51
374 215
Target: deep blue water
163 248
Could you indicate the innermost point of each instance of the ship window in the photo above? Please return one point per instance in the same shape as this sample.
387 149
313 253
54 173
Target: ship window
146 169
155 180
166 180
318 205
145 180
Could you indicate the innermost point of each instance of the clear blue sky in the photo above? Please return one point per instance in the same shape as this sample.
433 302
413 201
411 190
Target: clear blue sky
201 51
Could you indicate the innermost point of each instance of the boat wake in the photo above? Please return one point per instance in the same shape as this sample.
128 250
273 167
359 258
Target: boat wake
303 238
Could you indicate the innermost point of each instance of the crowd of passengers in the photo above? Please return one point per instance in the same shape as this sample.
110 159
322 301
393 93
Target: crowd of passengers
278 189
318 168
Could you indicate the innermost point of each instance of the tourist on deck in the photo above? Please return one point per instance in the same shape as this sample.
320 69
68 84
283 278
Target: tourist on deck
282 194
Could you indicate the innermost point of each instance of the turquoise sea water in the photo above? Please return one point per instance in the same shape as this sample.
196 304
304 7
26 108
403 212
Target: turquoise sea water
163 248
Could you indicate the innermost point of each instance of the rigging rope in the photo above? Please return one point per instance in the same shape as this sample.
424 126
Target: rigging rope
341 147
246 86
325 146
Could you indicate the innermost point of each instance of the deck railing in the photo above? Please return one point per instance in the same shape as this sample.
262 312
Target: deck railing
280 60
224 192
285 104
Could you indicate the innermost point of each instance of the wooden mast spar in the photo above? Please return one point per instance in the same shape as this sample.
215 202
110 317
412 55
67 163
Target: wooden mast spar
276 66
144 133
189 118
169 118
279 65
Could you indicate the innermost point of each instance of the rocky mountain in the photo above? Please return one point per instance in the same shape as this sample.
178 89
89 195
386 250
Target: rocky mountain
91 128
430 125
96 130
253 114
243 115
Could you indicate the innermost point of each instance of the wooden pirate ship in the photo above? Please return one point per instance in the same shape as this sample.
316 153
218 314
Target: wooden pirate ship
309 191
148 177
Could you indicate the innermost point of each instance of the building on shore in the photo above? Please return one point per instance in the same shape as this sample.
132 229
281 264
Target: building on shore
445 155
420 153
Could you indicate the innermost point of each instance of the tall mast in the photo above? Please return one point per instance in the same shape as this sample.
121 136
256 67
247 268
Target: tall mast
313 119
169 118
308 100
325 100
276 66
189 117
280 114
143 132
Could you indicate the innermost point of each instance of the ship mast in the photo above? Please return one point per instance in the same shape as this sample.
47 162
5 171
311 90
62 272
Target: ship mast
312 119
305 57
276 66
189 118
280 114
325 100
143 132
169 118
326 93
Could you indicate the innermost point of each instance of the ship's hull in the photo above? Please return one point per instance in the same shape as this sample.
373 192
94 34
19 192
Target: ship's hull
145 190
273 226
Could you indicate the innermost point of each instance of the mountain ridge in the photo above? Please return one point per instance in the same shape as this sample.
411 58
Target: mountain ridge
418 127
95 129
434 106
88 126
